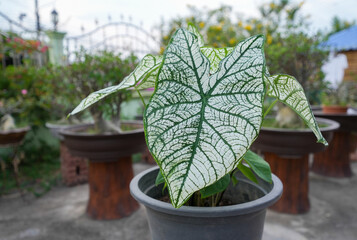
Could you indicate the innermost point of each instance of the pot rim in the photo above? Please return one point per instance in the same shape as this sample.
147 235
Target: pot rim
52 125
332 126
222 211
73 133
346 114
15 130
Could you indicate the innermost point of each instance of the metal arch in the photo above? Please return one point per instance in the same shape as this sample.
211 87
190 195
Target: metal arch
124 37
96 45
113 24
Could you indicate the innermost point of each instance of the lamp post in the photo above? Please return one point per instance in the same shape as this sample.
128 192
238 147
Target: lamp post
56 41
54 17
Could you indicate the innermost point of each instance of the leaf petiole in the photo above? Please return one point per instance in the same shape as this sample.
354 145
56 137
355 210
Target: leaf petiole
269 108
141 97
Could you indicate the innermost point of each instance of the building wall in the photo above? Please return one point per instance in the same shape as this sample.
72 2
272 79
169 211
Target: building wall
351 71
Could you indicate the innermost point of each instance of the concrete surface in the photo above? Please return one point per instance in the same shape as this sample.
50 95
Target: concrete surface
60 215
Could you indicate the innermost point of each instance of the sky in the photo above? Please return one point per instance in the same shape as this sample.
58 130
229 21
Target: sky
73 14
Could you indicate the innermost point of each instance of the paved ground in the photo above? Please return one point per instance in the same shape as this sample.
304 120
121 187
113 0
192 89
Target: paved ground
60 215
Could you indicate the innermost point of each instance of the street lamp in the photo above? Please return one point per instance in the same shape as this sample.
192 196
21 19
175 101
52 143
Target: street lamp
54 16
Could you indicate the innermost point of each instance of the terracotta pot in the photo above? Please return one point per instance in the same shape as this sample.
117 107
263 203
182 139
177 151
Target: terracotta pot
334 109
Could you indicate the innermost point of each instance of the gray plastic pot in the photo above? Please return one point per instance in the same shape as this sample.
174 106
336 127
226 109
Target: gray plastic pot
244 221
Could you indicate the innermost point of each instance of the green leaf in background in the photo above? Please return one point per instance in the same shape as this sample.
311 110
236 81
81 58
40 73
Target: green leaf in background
199 125
247 172
215 56
216 187
144 76
258 165
289 91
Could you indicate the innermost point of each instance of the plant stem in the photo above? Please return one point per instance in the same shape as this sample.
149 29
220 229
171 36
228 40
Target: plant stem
141 97
269 108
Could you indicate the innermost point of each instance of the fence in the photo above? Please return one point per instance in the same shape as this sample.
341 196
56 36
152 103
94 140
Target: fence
119 37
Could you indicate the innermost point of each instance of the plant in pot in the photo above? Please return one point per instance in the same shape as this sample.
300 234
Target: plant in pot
204 114
337 100
335 160
12 134
64 101
289 156
109 144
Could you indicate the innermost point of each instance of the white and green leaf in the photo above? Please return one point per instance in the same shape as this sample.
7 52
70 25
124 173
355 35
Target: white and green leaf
215 56
143 77
198 126
192 28
146 72
289 91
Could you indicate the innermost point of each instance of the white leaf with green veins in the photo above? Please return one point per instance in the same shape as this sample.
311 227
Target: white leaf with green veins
289 91
145 73
192 28
199 125
215 55
143 76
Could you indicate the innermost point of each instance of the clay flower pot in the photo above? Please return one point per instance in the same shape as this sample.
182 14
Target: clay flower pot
110 168
334 109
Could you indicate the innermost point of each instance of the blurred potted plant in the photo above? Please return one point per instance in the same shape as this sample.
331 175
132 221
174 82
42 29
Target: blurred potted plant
110 142
64 101
26 94
337 100
200 122
284 153
10 132
11 135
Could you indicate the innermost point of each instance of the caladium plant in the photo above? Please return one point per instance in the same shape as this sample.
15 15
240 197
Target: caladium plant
206 111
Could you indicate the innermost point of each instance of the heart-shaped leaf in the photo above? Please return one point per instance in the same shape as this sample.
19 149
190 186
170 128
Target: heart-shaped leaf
289 91
199 125
143 76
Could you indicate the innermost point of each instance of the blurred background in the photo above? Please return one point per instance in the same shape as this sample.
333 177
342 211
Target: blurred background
55 53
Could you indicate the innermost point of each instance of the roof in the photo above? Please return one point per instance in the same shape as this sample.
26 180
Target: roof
343 40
